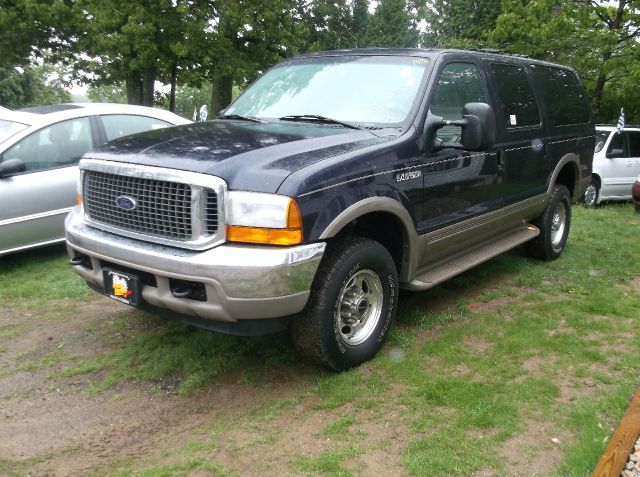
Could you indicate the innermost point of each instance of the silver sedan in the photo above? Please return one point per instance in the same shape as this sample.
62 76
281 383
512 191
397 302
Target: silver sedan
39 152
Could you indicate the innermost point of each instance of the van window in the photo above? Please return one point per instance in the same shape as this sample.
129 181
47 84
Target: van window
518 103
562 95
634 143
618 146
459 84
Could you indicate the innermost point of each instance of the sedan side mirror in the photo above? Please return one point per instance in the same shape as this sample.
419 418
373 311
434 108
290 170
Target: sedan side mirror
11 166
615 153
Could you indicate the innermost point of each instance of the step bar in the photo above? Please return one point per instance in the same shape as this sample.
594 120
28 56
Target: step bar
451 267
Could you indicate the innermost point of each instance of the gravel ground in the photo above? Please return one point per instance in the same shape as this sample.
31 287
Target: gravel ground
632 469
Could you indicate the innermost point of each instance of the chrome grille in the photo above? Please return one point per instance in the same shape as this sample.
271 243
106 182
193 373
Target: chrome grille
163 208
211 212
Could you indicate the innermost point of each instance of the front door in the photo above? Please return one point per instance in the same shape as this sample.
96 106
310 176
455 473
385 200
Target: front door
35 202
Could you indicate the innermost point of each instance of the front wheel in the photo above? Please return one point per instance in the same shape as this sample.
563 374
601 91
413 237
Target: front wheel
352 305
554 224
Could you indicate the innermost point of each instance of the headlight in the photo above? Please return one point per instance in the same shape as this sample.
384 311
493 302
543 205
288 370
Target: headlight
254 217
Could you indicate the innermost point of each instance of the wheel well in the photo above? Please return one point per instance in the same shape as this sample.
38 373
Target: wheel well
385 229
596 180
567 177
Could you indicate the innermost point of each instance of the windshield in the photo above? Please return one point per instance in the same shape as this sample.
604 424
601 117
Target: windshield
369 90
9 128
601 139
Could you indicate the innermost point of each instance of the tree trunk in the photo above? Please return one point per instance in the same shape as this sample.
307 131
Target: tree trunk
220 94
148 86
172 96
134 88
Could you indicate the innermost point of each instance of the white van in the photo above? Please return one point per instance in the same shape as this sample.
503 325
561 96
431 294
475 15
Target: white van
616 165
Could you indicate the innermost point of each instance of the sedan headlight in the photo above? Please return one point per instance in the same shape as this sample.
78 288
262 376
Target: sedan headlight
255 217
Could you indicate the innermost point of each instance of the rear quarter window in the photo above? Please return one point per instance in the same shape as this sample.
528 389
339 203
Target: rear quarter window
562 95
519 106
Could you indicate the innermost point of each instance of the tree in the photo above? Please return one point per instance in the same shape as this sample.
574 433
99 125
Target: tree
32 87
393 24
599 39
459 23
107 93
31 28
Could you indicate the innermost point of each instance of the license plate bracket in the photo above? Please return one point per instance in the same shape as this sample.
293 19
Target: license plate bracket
122 286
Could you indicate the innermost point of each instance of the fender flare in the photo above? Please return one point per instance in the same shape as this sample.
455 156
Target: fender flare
412 244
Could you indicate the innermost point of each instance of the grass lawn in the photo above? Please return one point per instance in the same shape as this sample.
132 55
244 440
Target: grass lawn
478 377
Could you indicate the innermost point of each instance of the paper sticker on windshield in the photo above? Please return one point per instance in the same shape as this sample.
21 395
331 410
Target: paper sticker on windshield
513 121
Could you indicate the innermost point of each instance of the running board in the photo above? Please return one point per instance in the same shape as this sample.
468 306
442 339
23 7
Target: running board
470 258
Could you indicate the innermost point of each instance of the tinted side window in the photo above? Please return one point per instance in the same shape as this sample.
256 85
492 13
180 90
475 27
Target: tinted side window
58 145
459 83
562 95
516 97
618 146
118 125
634 143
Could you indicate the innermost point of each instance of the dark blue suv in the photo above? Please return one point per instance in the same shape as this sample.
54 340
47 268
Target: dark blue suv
336 179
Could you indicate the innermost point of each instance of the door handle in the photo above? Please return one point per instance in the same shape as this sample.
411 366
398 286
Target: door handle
502 161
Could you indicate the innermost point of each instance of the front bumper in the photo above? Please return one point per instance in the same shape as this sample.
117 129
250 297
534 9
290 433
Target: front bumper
242 282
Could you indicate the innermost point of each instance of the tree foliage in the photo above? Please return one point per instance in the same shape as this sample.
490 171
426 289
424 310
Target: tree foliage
213 46
32 86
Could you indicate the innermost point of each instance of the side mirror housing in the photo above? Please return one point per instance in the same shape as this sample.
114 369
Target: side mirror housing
615 153
479 127
11 166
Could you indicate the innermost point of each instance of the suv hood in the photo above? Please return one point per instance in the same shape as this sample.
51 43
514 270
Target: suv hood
248 156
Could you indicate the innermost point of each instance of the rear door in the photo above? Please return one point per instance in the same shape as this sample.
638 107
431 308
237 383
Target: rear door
622 164
35 202
521 152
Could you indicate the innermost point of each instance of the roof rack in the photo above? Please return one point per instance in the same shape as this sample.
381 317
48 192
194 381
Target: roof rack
626 125
500 52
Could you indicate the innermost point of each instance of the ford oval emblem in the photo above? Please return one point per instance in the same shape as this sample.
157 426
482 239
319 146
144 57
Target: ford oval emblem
126 203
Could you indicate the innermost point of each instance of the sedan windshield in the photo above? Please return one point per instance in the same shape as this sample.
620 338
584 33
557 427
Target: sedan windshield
9 128
367 90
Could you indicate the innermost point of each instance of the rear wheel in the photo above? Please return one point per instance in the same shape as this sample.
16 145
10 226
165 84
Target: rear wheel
352 305
590 197
554 224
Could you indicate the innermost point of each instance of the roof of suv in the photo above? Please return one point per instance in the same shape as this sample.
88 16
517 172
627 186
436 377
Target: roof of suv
429 53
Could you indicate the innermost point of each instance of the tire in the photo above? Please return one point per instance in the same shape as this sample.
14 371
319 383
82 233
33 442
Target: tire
591 195
554 225
352 305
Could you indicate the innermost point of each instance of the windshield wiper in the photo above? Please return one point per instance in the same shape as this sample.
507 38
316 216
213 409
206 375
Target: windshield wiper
243 118
318 119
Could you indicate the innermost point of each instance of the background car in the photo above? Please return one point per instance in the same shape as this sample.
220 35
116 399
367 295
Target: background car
635 194
616 164
39 152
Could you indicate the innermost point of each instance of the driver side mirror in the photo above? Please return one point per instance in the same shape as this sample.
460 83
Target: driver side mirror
11 166
478 125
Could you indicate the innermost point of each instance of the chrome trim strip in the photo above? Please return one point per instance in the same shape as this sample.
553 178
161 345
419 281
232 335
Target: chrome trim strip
198 182
446 233
32 245
41 215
